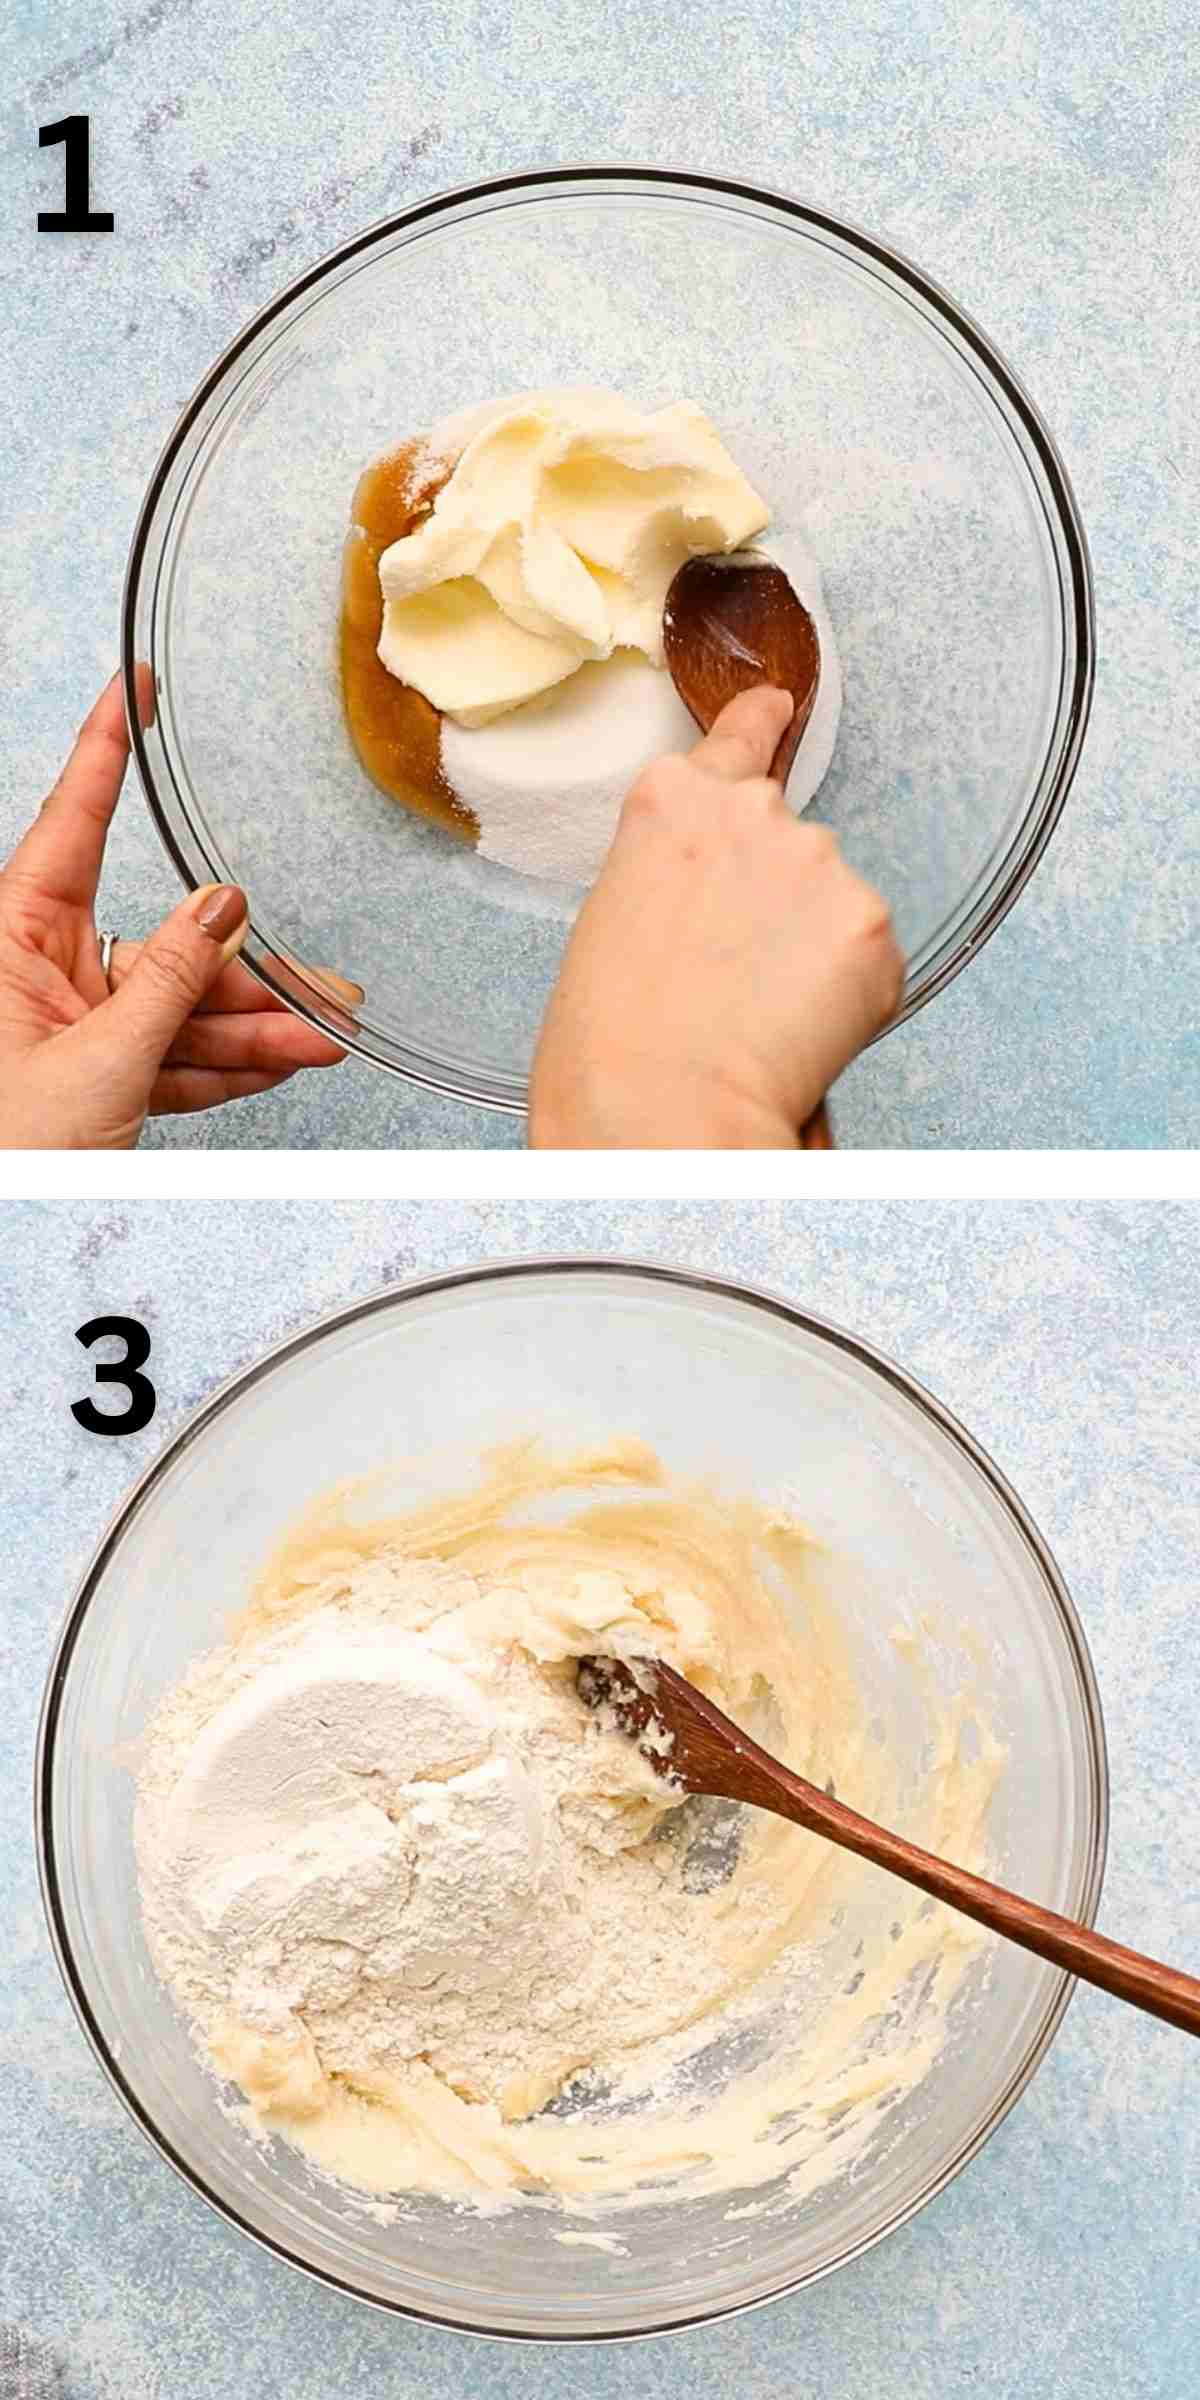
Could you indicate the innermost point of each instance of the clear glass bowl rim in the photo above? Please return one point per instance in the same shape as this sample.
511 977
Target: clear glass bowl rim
393 1296
1036 442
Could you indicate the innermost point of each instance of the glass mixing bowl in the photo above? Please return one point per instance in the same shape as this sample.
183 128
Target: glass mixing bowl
876 419
722 1381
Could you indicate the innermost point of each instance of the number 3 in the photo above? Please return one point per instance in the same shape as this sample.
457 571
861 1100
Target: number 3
143 1399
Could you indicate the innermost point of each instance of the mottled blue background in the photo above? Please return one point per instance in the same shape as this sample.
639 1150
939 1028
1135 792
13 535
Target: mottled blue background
1063 2262
1039 157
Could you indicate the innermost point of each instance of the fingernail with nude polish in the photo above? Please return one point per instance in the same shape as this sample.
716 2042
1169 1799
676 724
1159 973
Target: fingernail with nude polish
220 912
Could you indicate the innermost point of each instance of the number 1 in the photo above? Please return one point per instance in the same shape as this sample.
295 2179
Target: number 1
77 216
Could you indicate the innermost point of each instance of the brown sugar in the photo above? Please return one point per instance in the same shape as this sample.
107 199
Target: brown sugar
396 731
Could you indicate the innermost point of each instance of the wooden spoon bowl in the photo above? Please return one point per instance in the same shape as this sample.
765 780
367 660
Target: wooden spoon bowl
733 622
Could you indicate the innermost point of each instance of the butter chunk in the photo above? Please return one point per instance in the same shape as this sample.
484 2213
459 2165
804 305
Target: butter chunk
554 541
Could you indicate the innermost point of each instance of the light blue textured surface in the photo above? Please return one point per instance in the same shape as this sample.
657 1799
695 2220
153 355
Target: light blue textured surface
1063 2262
1040 160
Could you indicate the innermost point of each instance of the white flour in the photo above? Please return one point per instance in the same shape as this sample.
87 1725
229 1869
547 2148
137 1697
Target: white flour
398 1841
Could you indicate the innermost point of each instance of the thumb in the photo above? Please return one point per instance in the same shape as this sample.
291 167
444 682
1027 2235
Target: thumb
742 741
173 971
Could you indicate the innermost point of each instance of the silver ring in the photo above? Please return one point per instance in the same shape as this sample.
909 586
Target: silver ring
108 943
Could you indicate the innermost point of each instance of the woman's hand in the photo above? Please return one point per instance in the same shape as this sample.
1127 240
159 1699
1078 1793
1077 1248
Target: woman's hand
83 1065
724 969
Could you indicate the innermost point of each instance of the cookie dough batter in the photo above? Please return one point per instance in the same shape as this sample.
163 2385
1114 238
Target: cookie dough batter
447 1932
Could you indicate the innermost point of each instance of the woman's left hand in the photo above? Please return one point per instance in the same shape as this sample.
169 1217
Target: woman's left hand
176 1025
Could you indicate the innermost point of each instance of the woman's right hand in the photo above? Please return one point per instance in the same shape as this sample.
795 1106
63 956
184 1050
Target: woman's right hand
724 969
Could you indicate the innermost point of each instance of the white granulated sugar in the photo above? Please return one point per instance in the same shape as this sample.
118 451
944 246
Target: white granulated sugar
546 781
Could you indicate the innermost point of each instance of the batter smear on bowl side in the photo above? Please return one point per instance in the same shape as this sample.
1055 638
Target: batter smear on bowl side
502 654
448 1932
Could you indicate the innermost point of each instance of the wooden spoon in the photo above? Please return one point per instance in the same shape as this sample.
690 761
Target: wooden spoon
732 622
696 1747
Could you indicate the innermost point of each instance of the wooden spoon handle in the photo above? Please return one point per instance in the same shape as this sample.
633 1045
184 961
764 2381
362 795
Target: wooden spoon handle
1163 1991
818 1133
